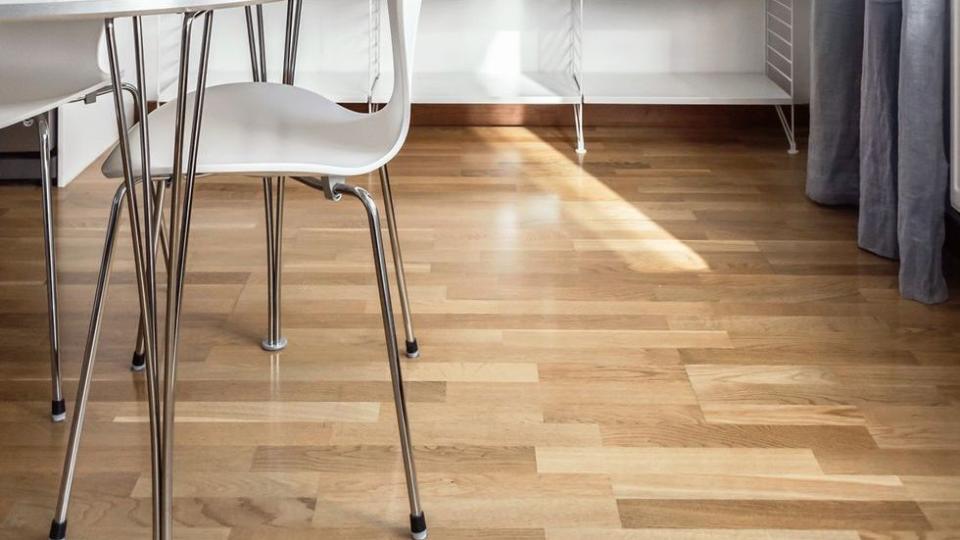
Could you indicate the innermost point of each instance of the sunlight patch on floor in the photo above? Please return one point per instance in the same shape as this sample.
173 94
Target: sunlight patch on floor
610 223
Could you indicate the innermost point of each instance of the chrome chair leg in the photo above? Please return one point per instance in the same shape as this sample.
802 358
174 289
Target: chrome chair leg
412 347
58 529
139 360
58 409
418 524
273 208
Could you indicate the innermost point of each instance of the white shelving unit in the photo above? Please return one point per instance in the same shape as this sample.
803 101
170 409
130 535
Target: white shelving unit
536 52
685 89
649 52
491 52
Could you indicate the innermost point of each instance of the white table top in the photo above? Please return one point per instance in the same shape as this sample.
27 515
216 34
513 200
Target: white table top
20 10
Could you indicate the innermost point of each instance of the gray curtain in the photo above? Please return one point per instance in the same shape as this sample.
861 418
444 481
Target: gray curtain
879 124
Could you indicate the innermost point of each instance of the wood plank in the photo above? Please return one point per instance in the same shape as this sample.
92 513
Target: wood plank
945 489
787 414
613 460
258 412
697 534
767 487
734 514
890 461
659 434
381 458
943 515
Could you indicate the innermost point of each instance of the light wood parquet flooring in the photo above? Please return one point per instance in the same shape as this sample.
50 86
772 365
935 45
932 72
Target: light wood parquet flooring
668 342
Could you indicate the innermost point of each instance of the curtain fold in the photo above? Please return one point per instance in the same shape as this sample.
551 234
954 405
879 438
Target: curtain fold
879 129
833 168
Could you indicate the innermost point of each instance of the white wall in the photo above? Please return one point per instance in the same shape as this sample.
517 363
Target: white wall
494 36
676 36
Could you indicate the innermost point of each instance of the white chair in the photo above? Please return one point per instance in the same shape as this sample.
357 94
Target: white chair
266 130
45 65
274 192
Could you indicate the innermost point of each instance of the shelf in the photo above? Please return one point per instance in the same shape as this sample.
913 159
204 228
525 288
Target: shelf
479 88
531 88
683 89
543 88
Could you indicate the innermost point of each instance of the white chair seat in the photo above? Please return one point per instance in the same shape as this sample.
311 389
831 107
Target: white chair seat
267 129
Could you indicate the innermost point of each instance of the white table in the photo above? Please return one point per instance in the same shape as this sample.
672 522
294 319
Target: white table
13 10
144 225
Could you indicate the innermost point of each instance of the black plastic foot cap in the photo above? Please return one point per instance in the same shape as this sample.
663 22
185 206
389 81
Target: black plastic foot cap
58 531
58 411
138 362
413 349
418 527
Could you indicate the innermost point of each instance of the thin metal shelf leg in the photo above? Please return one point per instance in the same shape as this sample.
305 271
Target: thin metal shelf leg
578 123
789 127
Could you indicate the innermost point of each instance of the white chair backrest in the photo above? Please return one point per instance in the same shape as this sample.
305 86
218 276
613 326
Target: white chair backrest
42 45
404 15
44 62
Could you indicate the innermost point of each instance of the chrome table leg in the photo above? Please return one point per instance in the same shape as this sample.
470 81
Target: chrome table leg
274 202
179 242
273 210
140 244
144 249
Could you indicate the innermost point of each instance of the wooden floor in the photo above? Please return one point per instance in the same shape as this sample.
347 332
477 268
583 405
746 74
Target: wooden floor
669 342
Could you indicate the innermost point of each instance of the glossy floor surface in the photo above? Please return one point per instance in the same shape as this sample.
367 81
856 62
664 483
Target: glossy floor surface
667 342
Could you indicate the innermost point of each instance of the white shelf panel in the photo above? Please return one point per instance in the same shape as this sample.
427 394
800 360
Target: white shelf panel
683 89
530 88
435 88
534 88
